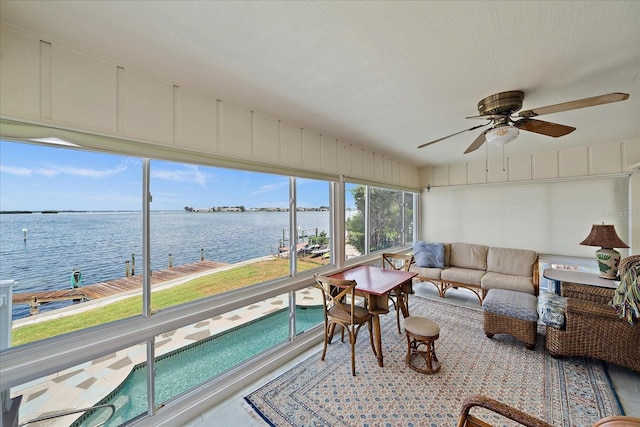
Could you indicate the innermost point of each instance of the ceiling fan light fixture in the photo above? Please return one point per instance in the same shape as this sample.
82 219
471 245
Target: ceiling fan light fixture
502 135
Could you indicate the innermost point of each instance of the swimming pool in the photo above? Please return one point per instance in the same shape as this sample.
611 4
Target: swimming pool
192 365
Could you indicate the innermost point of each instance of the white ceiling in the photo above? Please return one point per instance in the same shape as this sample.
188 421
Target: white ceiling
384 74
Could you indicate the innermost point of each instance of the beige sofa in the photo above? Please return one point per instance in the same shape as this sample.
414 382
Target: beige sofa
480 268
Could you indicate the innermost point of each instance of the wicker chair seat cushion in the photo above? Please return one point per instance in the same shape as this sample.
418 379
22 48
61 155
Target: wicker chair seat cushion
493 280
462 275
551 309
358 313
512 304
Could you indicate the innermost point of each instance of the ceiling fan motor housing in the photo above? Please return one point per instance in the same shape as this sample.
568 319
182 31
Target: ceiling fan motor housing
501 103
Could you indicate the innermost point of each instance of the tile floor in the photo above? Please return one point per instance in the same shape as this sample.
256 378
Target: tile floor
233 412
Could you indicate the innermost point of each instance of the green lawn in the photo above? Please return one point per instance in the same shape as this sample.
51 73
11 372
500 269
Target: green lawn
192 290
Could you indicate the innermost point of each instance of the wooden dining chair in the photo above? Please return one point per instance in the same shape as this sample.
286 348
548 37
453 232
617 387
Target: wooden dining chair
400 262
340 308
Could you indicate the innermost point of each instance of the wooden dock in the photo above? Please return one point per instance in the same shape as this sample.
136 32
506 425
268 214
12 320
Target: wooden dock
112 287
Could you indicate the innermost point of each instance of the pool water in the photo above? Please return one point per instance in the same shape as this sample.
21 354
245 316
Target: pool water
190 366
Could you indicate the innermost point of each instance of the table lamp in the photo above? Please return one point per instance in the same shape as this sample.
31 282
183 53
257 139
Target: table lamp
608 258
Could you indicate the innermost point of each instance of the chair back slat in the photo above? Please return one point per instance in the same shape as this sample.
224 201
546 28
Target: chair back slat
337 293
397 261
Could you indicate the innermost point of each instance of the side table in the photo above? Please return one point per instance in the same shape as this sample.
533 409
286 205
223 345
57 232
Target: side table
588 279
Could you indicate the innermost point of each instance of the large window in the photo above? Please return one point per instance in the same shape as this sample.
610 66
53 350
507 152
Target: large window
97 247
72 233
377 218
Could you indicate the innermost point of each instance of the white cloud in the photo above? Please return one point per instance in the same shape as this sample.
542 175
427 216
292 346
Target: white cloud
15 170
271 187
190 174
85 172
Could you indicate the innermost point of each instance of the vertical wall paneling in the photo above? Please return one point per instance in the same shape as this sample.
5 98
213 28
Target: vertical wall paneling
235 124
311 149
291 144
605 158
477 172
395 171
545 165
357 162
519 168
631 154
440 175
45 80
266 139
497 170
329 153
378 165
195 121
58 85
344 158
120 97
458 174
403 178
573 162
218 124
177 107
83 90
388 169
19 74
368 164
148 107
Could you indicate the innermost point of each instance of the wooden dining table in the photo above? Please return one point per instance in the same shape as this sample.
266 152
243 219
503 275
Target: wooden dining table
375 283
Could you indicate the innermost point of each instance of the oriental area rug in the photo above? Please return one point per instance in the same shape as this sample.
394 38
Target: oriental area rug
563 392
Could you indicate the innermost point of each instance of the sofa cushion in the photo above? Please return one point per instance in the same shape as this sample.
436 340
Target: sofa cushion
493 280
426 272
462 275
511 304
551 308
517 262
468 255
428 254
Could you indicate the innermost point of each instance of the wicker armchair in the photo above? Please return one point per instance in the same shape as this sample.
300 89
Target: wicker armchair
594 329
522 418
468 420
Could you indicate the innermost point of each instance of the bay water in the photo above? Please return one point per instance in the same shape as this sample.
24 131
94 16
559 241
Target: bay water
99 244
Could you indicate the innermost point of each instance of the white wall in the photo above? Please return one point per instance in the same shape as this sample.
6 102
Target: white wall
54 85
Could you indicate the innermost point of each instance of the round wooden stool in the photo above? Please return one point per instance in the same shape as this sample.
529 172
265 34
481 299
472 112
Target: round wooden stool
421 335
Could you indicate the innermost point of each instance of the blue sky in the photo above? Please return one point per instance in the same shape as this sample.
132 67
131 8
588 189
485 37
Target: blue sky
37 177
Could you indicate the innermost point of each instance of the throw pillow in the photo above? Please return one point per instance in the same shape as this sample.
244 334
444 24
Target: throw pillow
428 254
551 308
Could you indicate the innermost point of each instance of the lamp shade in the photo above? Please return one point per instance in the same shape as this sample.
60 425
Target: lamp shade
608 258
604 236
502 135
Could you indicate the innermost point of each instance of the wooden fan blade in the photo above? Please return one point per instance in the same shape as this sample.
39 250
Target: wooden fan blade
453 134
572 105
544 128
477 143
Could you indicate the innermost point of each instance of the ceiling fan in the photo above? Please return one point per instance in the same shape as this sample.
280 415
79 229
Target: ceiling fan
500 107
